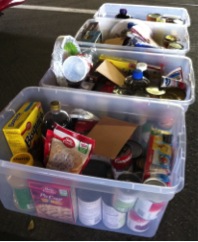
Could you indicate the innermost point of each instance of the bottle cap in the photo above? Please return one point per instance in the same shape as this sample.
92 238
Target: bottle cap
130 25
141 66
137 74
55 105
123 11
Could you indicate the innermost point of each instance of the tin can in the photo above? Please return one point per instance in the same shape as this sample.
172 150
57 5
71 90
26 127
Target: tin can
89 207
124 199
136 223
123 161
169 39
153 17
147 209
175 45
112 218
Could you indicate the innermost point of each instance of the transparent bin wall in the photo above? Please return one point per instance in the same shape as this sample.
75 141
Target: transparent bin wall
109 10
132 111
168 62
159 30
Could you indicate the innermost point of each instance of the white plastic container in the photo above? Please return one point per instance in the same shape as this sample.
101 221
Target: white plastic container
168 61
100 104
159 31
109 10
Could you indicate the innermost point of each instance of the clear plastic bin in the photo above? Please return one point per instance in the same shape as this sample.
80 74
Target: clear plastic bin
159 31
133 110
169 63
109 10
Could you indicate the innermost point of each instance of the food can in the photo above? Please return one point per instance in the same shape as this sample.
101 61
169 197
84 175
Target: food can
175 45
112 218
89 207
169 39
136 223
124 199
123 161
153 17
146 208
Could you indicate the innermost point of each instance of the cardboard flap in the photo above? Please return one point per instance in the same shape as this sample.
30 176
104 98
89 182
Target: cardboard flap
111 135
108 70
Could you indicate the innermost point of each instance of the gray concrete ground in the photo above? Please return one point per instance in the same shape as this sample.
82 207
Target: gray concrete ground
26 43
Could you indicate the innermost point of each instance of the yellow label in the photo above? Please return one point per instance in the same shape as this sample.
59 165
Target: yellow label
24 128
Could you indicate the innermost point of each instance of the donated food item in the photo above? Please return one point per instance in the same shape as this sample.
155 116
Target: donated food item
159 155
23 130
66 150
54 201
55 116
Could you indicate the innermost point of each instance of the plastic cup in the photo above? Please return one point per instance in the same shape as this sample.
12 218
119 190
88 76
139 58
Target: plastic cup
75 69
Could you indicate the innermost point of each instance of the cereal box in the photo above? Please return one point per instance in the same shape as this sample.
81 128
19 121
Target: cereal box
53 201
24 129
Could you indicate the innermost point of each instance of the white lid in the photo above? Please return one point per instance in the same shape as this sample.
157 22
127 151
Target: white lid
142 66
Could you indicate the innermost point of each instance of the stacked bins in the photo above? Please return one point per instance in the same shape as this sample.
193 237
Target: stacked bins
98 213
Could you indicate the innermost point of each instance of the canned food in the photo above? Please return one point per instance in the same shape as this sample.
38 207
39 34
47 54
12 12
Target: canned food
175 45
169 39
136 148
123 161
112 218
124 199
176 92
155 91
136 223
147 209
89 207
153 17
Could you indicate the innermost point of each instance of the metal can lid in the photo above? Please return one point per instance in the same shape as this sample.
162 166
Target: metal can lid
175 45
155 91
155 181
170 38
177 92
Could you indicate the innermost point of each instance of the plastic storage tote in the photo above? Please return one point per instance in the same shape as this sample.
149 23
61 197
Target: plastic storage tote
111 28
110 10
168 62
86 197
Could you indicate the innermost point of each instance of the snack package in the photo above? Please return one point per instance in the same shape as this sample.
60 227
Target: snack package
66 150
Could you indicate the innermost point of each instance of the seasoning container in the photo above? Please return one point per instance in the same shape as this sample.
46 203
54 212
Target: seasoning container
112 218
136 223
21 193
89 207
124 199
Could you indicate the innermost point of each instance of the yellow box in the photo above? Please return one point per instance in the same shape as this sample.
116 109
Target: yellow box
23 130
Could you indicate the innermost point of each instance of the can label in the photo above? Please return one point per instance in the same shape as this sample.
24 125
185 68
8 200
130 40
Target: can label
136 223
123 202
112 218
89 212
147 209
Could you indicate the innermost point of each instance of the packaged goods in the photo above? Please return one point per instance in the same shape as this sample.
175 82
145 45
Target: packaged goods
53 201
66 150
23 130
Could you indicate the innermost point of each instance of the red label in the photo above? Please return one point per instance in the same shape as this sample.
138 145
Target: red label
69 142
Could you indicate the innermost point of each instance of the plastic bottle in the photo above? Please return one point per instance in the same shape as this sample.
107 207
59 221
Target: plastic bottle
142 66
137 80
123 14
55 115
